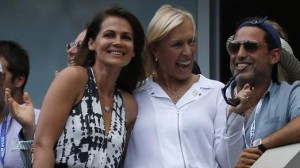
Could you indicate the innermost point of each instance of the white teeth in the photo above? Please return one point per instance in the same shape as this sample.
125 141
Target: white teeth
242 65
116 52
185 63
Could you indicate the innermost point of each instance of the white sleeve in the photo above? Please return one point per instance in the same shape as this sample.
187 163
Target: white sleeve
228 143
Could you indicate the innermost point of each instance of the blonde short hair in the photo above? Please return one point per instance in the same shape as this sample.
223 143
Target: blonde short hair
166 18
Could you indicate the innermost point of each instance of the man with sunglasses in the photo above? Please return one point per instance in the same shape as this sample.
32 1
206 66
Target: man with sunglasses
73 47
271 114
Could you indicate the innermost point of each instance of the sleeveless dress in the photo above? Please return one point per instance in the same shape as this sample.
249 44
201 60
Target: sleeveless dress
83 142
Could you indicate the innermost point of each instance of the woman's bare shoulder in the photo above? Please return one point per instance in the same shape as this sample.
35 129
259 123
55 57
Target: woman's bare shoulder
131 107
70 81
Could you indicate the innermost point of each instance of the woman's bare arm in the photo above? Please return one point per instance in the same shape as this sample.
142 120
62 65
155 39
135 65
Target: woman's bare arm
65 91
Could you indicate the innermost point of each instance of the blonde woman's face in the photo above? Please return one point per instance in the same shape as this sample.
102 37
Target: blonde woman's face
176 52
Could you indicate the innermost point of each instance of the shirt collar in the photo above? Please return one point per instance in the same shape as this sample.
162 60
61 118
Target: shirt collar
233 86
202 83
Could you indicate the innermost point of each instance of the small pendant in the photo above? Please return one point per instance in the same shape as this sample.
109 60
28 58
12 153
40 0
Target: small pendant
107 108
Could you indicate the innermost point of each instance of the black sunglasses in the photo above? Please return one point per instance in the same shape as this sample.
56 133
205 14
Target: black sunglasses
236 101
72 44
249 46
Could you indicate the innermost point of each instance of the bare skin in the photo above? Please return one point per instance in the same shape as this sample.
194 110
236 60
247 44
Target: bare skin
24 114
114 49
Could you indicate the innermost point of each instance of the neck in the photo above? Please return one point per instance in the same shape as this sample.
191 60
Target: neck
172 83
260 89
105 81
174 88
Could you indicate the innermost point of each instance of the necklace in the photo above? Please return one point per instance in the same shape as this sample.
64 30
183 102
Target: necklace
106 104
107 108
176 95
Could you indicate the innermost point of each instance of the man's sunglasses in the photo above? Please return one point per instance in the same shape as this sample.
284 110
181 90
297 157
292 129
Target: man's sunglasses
236 101
249 46
72 44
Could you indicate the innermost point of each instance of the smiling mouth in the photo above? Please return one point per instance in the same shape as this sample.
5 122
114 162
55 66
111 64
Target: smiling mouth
117 53
71 58
183 64
241 65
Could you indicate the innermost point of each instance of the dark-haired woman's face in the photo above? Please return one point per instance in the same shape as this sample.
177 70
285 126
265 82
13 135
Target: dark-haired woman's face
114 43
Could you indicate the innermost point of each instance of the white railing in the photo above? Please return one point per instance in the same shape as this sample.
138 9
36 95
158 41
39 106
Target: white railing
281 157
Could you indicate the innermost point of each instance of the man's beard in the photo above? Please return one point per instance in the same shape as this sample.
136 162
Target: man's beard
249 79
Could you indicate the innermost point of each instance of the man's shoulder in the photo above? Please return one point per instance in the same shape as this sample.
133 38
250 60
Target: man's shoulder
296 84
283 85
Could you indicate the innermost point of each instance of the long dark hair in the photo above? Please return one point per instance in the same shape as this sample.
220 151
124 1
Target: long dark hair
134 72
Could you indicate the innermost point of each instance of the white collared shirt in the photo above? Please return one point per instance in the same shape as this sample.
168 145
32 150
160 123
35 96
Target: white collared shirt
190 134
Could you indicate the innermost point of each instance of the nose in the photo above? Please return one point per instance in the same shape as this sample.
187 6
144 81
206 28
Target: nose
72 50
117 42
242 52
187 49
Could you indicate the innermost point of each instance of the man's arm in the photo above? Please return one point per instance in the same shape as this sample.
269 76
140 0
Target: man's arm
288 134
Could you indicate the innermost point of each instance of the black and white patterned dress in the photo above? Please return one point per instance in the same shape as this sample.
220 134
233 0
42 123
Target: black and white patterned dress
83 142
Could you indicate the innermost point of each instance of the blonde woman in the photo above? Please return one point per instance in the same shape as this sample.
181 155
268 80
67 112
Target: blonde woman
182 116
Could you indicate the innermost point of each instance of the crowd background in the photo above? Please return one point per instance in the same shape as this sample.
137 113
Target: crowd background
45 27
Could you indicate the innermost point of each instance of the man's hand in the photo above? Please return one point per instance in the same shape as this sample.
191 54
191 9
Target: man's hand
248 157
246 100
24 114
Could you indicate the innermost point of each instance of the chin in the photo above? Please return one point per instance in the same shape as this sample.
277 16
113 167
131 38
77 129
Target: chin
246 79
183 77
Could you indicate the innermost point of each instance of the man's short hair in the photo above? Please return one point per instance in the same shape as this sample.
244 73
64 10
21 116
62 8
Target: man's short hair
17 59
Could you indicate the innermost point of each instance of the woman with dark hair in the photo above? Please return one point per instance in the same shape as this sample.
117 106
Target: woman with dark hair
88 111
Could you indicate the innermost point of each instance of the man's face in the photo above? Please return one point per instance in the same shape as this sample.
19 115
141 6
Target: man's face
71 52
258 59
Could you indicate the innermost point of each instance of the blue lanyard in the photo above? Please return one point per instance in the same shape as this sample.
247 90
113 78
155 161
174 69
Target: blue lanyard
3 138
